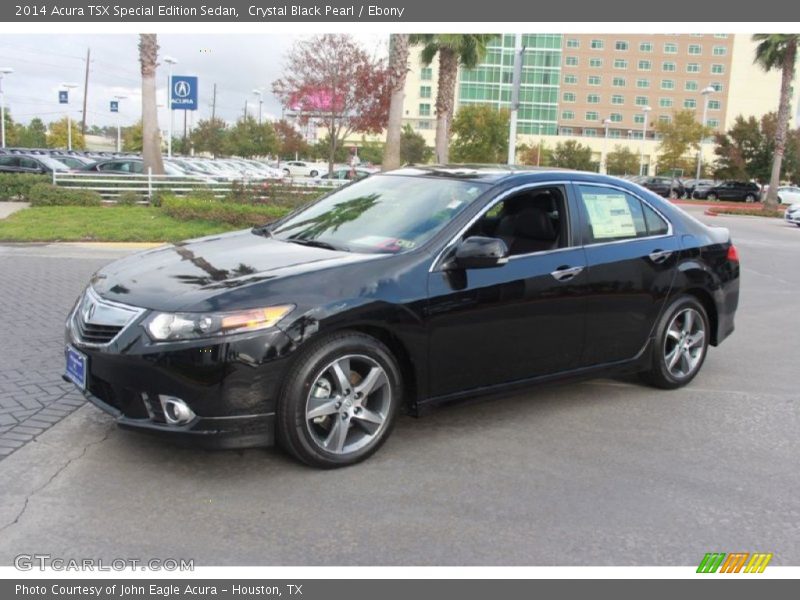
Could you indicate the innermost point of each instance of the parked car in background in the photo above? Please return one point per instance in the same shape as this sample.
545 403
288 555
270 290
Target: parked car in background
129 166
746 191
690 185
789 194
73 162
792 214
404 290
666 187
35 164
347 174
302 168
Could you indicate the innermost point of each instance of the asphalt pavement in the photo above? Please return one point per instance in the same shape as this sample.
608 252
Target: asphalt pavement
606 472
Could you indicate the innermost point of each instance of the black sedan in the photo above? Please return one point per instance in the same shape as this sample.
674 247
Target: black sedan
402 291
34 164
746 191
666 187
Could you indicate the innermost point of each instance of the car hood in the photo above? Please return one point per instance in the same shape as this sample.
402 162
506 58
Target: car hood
198 272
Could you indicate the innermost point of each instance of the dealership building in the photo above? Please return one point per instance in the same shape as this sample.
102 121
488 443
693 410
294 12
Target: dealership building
573 86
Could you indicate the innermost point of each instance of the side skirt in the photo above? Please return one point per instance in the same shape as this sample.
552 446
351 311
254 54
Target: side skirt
638 363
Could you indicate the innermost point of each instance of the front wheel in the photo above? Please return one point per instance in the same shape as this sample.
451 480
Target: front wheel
314 173
712 196
340 401
680 346
750 198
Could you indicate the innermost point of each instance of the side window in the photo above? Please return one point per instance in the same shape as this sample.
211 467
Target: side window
136 167
8 161
655 224
28 163
533 220
611 215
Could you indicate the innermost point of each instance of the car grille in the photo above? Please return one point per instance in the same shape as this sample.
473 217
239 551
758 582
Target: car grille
95 334
96 322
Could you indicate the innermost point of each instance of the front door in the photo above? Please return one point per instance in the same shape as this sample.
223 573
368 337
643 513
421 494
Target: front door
515 321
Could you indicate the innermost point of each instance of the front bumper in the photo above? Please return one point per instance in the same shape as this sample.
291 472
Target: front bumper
231 384
793 218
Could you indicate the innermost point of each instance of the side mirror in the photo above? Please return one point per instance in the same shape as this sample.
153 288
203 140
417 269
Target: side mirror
478 252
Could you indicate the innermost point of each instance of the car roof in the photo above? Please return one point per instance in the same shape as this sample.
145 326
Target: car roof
487 173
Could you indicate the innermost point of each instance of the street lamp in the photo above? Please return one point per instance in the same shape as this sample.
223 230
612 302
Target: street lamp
69 86
260 94
119 136
604 157
3 71
706 93
645 110
170 61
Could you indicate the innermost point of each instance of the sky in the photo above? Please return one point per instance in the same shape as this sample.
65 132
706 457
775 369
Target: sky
238 64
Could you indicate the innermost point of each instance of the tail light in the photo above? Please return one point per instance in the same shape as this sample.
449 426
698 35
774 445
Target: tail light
733 253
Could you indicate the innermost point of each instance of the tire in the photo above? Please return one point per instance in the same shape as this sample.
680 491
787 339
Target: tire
314 173
750 198
671 366
711 196
317 422
685 195
287 173
673 195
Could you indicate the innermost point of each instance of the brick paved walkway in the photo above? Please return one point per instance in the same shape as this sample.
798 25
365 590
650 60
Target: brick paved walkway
38 285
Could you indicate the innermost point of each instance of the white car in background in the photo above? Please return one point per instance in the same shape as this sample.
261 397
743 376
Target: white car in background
789 194
792 214
302 168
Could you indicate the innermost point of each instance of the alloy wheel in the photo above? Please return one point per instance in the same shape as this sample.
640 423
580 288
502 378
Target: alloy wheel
684 343
348 404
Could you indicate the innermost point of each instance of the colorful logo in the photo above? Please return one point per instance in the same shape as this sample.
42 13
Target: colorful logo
735 562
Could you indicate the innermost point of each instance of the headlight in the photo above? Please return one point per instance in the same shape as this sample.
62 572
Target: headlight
162 327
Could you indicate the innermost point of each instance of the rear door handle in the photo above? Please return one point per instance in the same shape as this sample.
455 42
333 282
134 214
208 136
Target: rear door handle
566 273
659 256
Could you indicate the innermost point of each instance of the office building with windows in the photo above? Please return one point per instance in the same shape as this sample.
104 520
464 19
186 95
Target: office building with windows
576 85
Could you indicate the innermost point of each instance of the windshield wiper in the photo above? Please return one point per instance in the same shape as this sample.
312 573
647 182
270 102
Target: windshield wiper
265 230
315 243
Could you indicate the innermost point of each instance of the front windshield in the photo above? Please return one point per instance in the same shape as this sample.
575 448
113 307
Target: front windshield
384 213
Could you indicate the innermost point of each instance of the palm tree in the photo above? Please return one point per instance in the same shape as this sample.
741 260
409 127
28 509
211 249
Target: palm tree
778 51
454 50
151 138
398 67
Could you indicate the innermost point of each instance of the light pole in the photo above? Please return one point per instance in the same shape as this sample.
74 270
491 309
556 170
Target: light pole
645 110
604 157
519 51
68 87
3 71
119 136
170 61
706 93
259 93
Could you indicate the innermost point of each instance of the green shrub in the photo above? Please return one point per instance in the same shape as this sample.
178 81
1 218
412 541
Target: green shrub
16 186
128 198
219 211
46 194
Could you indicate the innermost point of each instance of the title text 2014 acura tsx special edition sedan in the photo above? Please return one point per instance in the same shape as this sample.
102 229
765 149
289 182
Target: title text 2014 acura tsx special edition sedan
404 290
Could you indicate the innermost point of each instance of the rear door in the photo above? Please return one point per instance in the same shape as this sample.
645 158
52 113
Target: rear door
631 255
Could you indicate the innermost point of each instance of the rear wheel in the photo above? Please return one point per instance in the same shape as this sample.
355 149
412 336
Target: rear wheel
711 196
314 173
680 345
750 198
340 401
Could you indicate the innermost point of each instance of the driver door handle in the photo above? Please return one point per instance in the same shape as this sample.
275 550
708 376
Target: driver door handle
659 256
566 273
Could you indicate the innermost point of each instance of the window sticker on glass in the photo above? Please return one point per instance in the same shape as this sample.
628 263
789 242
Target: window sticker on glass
610 216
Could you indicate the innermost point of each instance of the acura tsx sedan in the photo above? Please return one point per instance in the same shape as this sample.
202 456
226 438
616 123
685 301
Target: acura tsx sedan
402 291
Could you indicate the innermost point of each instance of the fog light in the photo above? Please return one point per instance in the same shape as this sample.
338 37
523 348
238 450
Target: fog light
176 411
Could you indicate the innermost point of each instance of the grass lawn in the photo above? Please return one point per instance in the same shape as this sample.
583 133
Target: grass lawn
101 224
